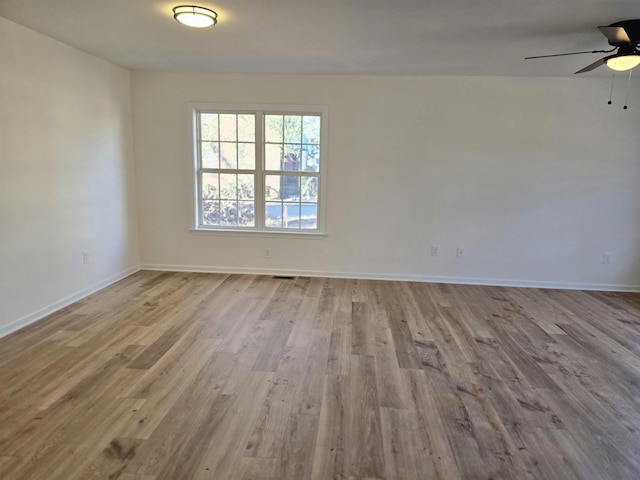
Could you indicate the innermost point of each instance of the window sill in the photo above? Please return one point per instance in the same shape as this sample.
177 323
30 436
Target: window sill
259 233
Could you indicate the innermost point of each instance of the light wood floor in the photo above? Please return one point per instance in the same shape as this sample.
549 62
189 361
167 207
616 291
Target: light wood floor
201 376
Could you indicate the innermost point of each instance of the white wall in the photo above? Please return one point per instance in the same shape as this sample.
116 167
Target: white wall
535 177
67 180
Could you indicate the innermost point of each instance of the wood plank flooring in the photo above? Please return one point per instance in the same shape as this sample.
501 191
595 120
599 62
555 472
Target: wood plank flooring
242 377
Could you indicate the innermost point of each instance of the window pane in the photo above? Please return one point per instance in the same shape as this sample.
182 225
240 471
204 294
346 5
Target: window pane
273 128
208 126
246 189
311 129
246 156
273 215
272 187
228 213
309 189
310 158
291 215
246 128
292 129
210 157
309 216
291 158
273 156
282 187
228 127
211 212
290 188
210 186
246 214
228 186
229 155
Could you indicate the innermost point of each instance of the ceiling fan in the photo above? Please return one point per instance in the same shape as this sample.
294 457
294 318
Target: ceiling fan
622 36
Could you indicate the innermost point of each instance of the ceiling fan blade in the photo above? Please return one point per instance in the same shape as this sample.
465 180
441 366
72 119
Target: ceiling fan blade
615 35
564 54
593 66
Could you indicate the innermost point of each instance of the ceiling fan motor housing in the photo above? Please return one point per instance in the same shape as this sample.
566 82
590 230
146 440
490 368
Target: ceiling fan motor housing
632 30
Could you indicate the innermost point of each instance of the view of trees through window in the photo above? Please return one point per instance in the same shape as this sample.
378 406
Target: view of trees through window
279 178
228 169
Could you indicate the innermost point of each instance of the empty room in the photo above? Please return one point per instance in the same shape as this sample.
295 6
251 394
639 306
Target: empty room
251 240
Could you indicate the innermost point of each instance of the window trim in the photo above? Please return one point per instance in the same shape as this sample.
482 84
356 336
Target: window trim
259 110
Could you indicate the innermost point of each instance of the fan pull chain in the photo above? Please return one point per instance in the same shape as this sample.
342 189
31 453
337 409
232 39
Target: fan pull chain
613 77
626 98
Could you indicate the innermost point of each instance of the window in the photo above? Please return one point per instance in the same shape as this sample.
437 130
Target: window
260 170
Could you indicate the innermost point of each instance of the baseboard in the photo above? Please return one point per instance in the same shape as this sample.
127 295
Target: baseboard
49 309
495 282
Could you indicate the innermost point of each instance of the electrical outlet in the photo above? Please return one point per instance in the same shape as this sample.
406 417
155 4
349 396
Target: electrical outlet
435 250
460 252
607 258
266 253
85 257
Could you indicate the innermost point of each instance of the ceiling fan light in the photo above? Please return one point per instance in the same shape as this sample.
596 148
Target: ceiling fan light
623 62
194 16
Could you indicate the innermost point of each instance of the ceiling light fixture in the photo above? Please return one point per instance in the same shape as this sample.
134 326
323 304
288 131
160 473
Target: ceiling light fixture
195 16
623 62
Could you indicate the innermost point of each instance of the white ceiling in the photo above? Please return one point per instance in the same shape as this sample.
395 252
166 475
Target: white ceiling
424 37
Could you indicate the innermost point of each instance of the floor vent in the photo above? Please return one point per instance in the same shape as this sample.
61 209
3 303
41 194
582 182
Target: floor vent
283 277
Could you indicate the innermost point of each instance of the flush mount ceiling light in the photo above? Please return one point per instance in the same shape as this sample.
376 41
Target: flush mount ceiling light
195 16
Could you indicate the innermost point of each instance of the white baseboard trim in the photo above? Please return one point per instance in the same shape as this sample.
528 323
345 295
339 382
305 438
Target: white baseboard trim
495 282
49 309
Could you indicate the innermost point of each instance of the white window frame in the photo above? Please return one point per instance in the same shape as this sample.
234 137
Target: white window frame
259 111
